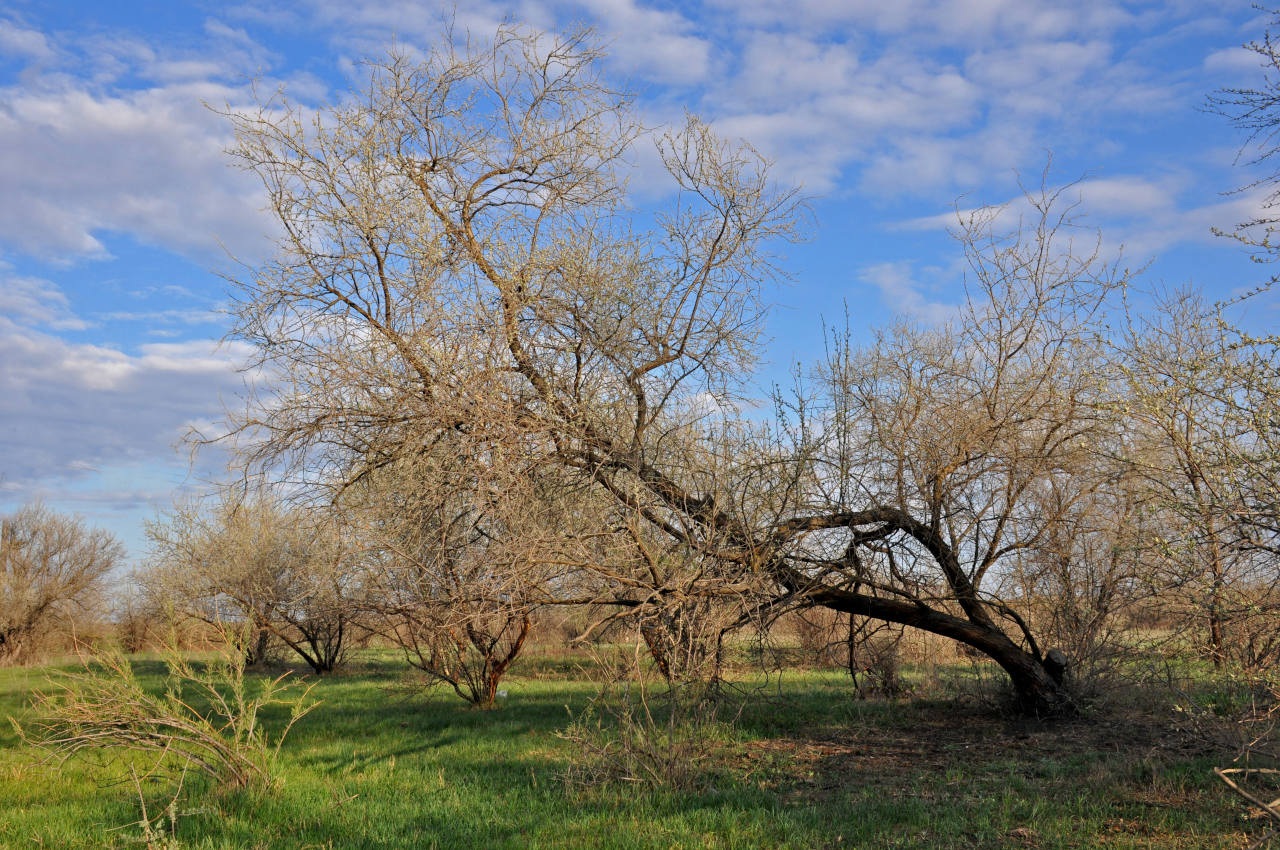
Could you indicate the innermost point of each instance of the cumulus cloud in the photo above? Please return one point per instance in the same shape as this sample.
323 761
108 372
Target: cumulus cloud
928 97
148 163
111 134
659 45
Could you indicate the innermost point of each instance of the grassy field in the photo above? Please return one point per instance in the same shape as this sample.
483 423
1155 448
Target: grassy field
806 765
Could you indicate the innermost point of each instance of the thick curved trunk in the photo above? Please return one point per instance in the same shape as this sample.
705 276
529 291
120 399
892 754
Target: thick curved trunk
1039 692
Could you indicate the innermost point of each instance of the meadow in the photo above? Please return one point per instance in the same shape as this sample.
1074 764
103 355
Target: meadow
807 762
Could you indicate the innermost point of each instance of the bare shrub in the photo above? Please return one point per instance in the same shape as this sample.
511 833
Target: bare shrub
206 718
874 658
819 633
136 618
635 732
679 604
455 563
281 571
467 651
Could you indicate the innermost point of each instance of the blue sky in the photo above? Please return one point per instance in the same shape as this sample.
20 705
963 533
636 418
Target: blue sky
121 214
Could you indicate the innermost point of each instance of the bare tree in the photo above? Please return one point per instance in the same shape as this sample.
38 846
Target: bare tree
277 572
455 561
939 462
1196 402
458 259
52 566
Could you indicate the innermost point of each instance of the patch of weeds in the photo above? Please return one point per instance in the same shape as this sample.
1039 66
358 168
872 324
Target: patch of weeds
661 739
205 718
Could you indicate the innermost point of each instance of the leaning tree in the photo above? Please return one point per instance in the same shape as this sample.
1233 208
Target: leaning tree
458 256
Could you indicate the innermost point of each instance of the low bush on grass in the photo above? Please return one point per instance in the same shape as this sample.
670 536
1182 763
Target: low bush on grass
205 719
659 739
637 732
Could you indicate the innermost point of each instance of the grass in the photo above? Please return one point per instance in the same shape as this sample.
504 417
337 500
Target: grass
379 766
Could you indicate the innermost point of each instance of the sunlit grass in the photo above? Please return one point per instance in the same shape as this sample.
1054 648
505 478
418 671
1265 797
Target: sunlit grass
379 765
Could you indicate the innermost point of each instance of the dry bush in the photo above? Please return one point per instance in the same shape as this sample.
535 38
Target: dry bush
874 658
872 651
206 718
818 633
254 558
455 561
636 731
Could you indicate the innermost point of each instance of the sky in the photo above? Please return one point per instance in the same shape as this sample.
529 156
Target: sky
122 219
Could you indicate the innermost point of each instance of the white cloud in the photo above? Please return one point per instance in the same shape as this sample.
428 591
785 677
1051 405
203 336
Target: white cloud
1139 217
1098 198
653 44
110 134
16 40
818 123
915 97
905 295
1233 60
179 316
76 406
658 44
36 302
147 163
964 22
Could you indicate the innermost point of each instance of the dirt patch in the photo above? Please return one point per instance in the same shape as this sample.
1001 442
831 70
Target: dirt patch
953 745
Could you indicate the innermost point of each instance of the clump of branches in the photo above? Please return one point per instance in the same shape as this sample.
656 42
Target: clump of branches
634 732
206 718
455 560
282 571
1238 780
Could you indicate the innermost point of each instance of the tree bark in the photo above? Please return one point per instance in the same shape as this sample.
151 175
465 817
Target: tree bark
1036 691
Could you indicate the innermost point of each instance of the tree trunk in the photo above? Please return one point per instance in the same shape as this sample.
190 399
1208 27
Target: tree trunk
1036 691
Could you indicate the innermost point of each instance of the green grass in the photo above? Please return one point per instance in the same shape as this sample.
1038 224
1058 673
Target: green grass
378 766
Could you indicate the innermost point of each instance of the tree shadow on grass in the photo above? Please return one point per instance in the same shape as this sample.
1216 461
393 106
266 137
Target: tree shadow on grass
429 771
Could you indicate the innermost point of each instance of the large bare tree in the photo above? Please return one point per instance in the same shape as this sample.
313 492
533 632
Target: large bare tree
458 257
